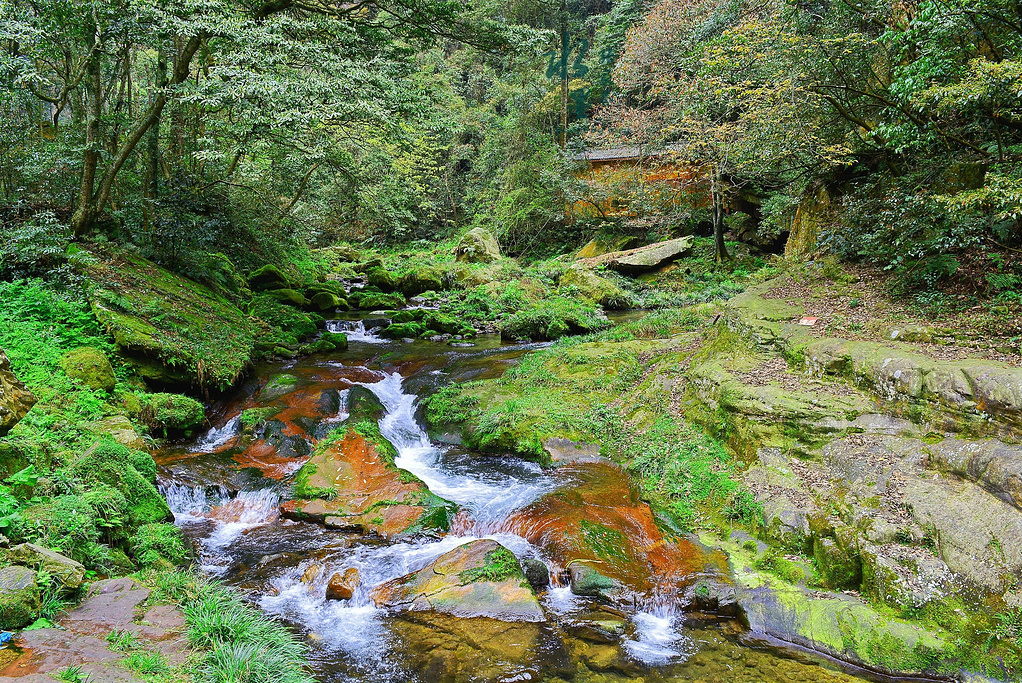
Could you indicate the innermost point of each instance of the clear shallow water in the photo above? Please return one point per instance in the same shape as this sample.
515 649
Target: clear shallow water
285 566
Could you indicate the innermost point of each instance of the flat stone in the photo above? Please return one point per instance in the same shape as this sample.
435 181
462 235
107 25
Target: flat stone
109 606
650 257
68 572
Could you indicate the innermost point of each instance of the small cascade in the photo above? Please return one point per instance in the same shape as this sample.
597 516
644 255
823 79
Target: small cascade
657 642
355 331
229 516
490 493
217 437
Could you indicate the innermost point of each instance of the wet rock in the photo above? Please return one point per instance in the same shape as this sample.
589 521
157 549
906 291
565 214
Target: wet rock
110 605
422 280
448 649
478 579
838 563
68 572
15 398
351 484
310 574
587 581
277 386
19 597
363 404
595 518
339 340
91 367
536 572
342 586
477 246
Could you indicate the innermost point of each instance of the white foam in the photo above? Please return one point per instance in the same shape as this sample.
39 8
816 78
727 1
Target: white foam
355 330
657 642
218 436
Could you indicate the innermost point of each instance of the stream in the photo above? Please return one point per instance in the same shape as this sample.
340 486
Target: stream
226 487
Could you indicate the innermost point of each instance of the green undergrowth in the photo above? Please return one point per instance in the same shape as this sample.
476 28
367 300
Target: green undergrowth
234 642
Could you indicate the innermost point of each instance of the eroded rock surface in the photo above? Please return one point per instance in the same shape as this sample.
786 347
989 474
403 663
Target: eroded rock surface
15 398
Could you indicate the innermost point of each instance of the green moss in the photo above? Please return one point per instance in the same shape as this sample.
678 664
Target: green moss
255 416
284 325
174 412
552 318
175 328
90 366
370 431
499 564
409 330
375 301
113 464
605 542
302 489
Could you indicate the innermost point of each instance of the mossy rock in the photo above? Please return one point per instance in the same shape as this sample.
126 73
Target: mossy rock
325 301
363 404
285 324
422 280
90 366
291 297
435 320
407 315
382 279
277 386
376 301
595 288
338 340
174 412
175 330
478 246
330 286
132 473
606 244
268 277
19 597
409 330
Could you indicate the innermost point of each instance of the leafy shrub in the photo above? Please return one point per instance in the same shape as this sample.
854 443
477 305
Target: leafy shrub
108 462
553 318
35 245
288 324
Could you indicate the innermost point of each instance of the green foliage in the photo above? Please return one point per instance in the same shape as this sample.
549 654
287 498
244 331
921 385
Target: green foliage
73 674
449 406
175 412
34 246
287 324
241 644
159 543
499 564
552 318
117 466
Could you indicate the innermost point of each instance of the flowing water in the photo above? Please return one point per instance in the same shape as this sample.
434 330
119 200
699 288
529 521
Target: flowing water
225 489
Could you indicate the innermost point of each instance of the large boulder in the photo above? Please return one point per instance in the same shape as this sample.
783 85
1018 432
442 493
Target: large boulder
598 246
351 483
477 246
268 277
19 597
651 257
478 579
66 571
90 366
15 398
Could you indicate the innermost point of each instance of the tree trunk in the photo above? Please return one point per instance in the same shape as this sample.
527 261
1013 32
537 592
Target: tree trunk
92 203
85 212
717 196
564 74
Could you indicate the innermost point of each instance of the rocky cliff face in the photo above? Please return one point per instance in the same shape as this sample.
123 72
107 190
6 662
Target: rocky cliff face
15 398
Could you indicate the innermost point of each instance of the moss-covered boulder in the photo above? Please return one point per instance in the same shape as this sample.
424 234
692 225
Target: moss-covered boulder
291 297
174 412
381 279
15 398
117 427
478 245
422 280
68 573
377 301
326 301
338 340
19 597
268 277
595 288
130 472
606 244
91 367
277 386
173 329
351 483
479 579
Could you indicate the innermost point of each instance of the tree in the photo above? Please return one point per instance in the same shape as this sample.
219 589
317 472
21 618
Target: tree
712 86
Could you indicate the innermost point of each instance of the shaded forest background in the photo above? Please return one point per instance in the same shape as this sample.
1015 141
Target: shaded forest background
193 129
